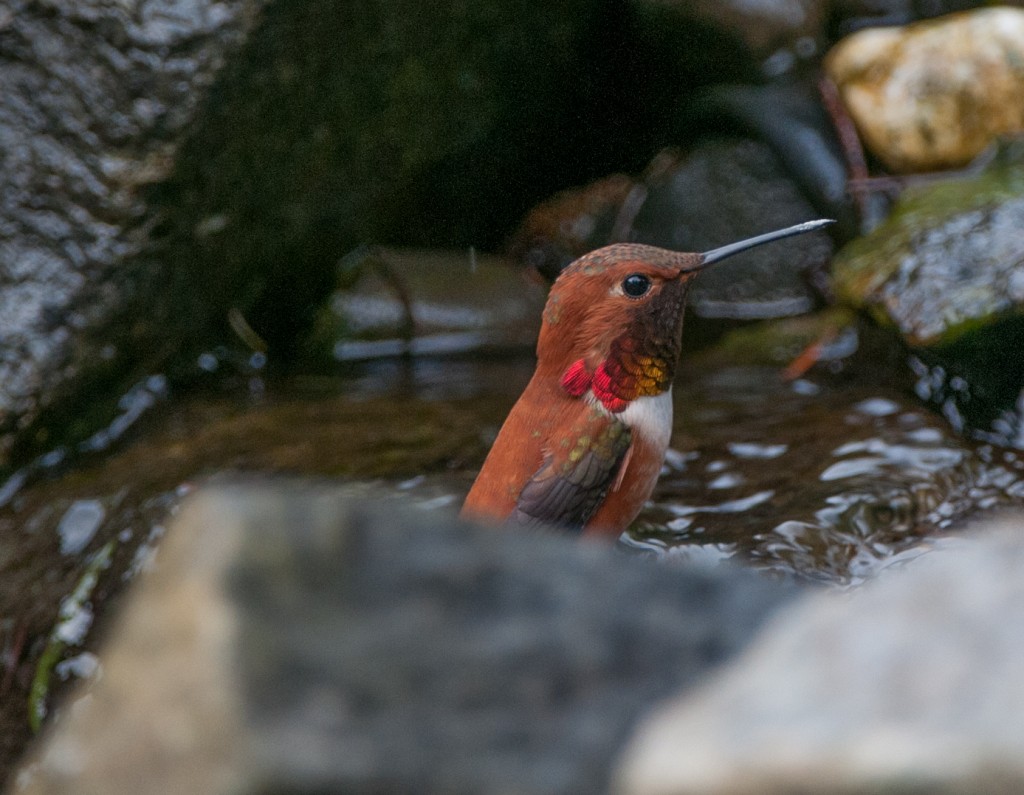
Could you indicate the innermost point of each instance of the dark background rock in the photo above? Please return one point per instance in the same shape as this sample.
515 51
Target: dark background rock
790 119
726 190
344 124
722 41
722 190
295 639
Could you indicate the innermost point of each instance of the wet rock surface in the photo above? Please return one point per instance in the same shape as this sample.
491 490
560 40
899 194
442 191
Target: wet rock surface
909 684
170 165
393 302
94 100
946 273
297 638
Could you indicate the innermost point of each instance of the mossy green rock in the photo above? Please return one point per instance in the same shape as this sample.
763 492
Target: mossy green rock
946 272
949 261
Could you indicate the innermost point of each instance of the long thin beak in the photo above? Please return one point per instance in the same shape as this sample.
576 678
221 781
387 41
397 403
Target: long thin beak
718 254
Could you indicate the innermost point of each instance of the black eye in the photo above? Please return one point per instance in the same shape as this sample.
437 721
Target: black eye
635 285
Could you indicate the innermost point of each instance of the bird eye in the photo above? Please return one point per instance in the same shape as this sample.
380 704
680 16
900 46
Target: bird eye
635 285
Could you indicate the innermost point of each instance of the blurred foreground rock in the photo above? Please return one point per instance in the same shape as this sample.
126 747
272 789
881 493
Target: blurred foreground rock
295 639
911 683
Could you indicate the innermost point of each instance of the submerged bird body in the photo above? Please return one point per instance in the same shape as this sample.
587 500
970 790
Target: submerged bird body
583 446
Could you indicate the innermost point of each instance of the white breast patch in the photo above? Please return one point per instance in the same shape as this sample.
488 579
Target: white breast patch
651 417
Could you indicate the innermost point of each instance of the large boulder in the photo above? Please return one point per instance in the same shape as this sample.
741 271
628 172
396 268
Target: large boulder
169 164
95 98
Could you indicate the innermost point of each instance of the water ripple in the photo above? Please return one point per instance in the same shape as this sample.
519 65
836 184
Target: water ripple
830 484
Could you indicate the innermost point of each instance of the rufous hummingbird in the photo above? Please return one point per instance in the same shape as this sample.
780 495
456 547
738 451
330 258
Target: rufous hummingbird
583 446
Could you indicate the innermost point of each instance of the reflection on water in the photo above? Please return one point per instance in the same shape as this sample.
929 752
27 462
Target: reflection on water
829 481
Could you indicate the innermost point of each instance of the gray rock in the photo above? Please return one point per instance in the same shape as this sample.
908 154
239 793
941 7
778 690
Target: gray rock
721 191
912 683
726 190
94 98
294 639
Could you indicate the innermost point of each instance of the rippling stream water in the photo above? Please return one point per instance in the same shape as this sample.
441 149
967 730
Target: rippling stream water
830 481
826 478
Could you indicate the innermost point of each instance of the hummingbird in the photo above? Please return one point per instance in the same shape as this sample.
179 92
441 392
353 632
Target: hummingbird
583 446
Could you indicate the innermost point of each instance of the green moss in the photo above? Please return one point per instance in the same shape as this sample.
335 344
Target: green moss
70 607
912 269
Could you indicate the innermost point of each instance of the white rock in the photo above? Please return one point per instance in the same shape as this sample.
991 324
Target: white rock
934 94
